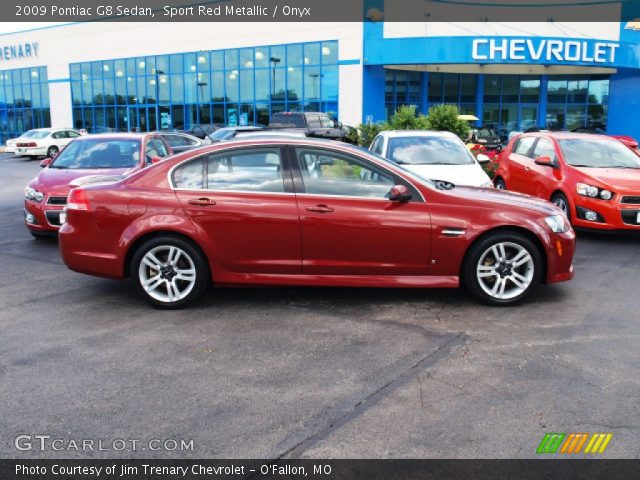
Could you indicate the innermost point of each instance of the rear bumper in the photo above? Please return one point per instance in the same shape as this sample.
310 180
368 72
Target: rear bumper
83 250
32 151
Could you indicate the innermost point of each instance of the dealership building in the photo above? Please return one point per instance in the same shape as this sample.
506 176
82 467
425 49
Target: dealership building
150 76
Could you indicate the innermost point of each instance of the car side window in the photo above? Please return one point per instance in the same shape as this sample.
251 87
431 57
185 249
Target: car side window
376 144
314 121
72 134
154 148
330 173
57 135
176 140
326 122
524 146
544 148
254 170
190 175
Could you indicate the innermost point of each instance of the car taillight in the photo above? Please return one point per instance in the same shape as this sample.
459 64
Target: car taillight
77 200
29 144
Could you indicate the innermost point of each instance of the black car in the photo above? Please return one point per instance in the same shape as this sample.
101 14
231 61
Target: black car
202 131
487 137
313 124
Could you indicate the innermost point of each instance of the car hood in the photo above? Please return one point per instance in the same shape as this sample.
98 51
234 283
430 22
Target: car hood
508 199
57 179
471 174
621 180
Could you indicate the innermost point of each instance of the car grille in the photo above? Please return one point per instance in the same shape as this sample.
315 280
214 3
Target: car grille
57 201
632 199
630 217
53 217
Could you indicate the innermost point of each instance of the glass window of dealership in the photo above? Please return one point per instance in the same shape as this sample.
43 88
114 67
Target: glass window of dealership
24 101
234 86
506 102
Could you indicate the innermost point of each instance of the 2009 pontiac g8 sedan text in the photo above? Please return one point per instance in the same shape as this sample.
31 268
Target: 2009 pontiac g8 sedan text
309 212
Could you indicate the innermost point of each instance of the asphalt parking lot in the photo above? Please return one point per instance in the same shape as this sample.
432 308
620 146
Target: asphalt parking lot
315 372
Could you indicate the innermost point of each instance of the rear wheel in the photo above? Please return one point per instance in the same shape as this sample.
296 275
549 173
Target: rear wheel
502 268
169 272
499 184
560 201
52 151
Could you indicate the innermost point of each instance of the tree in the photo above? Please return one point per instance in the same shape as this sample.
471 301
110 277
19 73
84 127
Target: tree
445 118
367 132
406 118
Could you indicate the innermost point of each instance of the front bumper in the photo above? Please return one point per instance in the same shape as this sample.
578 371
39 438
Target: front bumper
42 217
560 257
612 215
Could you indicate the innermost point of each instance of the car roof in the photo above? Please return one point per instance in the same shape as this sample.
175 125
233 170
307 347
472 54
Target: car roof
566 135
417 133
116 136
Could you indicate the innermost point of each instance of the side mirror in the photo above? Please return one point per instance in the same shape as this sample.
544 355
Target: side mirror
544 161
46 162
399 193
482 158
155 160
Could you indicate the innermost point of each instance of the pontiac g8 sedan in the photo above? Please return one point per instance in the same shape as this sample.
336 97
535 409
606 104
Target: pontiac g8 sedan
285 211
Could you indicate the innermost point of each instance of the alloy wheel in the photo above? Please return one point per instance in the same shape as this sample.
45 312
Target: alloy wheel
167 273
505 270
561 203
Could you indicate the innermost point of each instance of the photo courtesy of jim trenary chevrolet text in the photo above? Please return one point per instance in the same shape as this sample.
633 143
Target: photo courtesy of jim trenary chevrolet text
320 239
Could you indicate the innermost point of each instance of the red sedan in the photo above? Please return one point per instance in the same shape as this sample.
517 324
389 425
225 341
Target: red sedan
90 155
309 212
594 179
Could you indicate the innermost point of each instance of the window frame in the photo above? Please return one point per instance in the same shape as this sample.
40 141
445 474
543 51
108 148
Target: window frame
300 188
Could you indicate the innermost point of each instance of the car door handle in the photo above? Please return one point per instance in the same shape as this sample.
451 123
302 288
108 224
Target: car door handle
320 208
201 202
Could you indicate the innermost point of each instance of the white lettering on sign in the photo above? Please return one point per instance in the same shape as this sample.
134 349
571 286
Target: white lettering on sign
519 49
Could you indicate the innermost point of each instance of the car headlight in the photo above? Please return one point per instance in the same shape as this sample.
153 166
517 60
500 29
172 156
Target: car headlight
557 223
594 192
33 194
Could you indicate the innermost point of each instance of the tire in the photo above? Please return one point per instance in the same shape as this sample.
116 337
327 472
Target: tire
560 201
52 151
484 275
499 184
164 290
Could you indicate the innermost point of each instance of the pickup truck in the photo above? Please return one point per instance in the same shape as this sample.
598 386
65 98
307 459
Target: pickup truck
312 124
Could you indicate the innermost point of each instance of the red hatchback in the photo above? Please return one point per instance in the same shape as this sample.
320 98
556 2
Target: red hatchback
108 154
309 212
594 179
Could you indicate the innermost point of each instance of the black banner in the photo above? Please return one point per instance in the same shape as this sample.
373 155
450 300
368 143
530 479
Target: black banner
123 469
321 10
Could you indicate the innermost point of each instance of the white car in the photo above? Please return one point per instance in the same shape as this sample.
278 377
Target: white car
45 142
433 155
10 145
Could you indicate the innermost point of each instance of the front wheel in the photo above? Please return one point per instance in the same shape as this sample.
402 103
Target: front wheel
499 184
52 151
169 272
503 268
560 201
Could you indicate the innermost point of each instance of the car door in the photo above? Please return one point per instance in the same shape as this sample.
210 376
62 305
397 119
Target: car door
519 165
241 200
543 179
349 226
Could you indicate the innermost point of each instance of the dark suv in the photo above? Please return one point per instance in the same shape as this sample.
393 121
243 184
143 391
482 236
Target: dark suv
313 124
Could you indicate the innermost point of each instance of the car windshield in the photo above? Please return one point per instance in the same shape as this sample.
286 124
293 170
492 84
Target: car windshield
486 133
99 153
598 153
417 176
283 119
40 134
428 150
